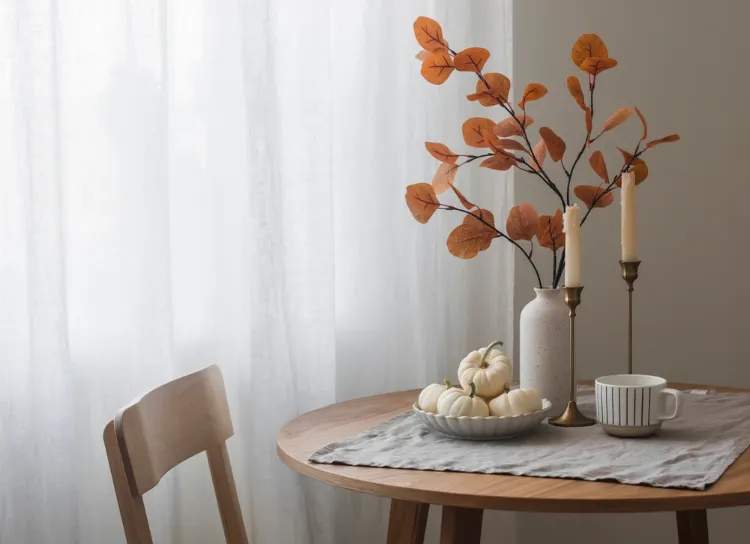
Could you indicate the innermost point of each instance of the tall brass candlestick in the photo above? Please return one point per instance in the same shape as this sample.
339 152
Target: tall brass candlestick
630 274
572 416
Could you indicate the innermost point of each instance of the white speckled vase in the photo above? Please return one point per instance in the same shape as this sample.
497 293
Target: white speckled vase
545 346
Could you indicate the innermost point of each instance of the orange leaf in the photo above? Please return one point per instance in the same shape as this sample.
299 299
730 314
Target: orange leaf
589 193
465 241
588 123
550 233
422 54
499 89
441 152
481 219
429 34
617 118
670 138
507 143
574 87
596 160
444 177
476 129
437 66
464 201
540 152
471 59
533 91
587 46
499 161
522 223
509 127
643 122
596 65
555 144
638 167
422 201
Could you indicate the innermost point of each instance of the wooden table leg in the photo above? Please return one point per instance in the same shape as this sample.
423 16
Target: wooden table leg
407 522
692 527
461 525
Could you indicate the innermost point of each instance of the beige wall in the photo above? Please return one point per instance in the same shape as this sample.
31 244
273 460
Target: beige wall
686 64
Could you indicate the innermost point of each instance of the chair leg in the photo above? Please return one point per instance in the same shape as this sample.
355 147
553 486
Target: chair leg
692 527
461 525
407 522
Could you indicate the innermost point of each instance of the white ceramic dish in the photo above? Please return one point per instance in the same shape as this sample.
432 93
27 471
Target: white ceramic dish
484 428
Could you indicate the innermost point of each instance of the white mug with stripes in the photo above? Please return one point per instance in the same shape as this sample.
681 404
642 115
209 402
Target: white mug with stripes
630 405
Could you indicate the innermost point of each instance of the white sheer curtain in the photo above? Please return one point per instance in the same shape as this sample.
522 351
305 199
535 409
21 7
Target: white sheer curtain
199 181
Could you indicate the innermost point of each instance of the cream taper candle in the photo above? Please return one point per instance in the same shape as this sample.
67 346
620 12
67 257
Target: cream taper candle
629 249
572 229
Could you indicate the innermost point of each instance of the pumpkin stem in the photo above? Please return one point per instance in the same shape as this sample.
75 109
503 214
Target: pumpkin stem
483 362
473 392
448 383
507 389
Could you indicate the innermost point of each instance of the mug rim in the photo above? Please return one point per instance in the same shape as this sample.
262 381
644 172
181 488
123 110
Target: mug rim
657 379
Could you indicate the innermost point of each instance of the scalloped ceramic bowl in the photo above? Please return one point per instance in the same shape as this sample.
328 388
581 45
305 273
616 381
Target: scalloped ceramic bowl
484 428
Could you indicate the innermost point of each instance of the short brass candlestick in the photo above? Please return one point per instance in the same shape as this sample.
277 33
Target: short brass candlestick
572 416
630 274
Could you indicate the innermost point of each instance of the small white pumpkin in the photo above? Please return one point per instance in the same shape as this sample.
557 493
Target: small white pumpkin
457 402
428 398
516 402
489 369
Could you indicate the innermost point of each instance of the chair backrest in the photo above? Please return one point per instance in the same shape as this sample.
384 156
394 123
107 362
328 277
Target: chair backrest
163 428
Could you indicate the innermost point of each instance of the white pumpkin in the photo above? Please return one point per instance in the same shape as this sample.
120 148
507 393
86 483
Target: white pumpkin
457 402
428 398
516 402
491 373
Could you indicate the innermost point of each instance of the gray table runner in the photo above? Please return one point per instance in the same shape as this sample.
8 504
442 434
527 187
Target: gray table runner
690 452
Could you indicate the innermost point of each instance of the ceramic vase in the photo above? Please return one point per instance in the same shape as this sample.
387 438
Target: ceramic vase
544 347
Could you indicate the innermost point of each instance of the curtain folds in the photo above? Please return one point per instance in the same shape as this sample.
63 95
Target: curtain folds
197 182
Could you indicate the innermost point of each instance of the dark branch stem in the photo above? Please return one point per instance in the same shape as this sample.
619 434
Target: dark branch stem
500 234
583 147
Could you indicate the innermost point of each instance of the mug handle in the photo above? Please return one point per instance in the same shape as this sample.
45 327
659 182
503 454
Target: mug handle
677 404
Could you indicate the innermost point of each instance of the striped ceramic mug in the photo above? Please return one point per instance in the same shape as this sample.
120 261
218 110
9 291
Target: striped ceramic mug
633 404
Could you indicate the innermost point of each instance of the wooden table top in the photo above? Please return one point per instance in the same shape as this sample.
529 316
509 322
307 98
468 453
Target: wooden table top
304 435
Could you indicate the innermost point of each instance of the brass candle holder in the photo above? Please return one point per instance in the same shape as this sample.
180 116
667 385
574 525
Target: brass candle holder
572 416
630 274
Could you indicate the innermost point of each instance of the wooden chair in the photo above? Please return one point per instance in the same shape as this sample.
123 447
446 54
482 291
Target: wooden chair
160 430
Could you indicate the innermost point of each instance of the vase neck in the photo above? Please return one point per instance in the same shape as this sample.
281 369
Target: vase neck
547 293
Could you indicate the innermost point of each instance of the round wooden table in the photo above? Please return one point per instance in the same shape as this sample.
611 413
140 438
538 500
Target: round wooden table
464 496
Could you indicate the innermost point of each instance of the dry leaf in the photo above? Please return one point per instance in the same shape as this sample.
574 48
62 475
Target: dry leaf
670 138
638 167
555 144
429 34
507 143
617 118
464 201
540 152
437 67
596 160
588 193
588 123
473 235
499 89
422 201
499 161
444 177
441 152
471 59
587 46
550 233
574 87
509 127
596 65
533 91
422 54
643 122
522 223
475 130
